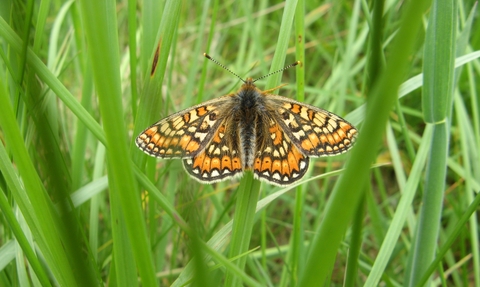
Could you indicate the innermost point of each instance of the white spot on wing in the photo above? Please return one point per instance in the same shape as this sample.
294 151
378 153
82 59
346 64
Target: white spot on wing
299 134
302 164
164 127
200 136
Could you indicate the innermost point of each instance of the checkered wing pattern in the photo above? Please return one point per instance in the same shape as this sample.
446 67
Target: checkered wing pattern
314 131
183 134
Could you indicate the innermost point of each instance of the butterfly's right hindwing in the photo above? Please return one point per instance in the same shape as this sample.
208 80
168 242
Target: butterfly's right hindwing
221 158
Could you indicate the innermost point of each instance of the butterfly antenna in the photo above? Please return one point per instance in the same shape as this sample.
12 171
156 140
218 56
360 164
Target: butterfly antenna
218 63
281 70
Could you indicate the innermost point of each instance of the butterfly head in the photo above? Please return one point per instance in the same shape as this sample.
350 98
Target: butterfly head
249 82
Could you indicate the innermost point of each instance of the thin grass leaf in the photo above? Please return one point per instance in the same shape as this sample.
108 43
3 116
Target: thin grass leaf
22 241
449 242
100 29
49 79
40 216
439 60
197 50
437 105
403 208
297 238
151 97
132 39
349 187
247 197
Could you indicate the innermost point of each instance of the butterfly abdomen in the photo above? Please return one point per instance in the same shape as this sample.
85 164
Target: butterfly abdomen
247 114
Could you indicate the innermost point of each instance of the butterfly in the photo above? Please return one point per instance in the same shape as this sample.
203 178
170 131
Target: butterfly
250 129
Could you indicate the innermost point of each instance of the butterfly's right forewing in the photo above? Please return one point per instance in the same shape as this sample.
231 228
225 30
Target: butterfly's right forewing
184 134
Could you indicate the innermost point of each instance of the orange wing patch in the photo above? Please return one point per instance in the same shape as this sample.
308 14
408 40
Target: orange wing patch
278 160
217 161
283 169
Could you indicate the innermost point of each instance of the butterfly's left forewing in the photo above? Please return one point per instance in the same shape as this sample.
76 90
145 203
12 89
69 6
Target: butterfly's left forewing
183 134
314 131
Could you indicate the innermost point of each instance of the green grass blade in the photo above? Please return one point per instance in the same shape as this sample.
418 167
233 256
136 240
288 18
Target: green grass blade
132 36
355 246
449 242
284 35
197 50
40 216
437 105
297 236
428 225
398 221
247 197
100 29
439 61
149 109
22 240
52 81
152 15
469 130
349 187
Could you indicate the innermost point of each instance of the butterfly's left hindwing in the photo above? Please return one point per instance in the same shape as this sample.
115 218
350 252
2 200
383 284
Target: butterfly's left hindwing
183 134
277 159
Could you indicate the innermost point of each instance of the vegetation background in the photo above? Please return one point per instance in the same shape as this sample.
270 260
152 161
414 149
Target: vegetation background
82 206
